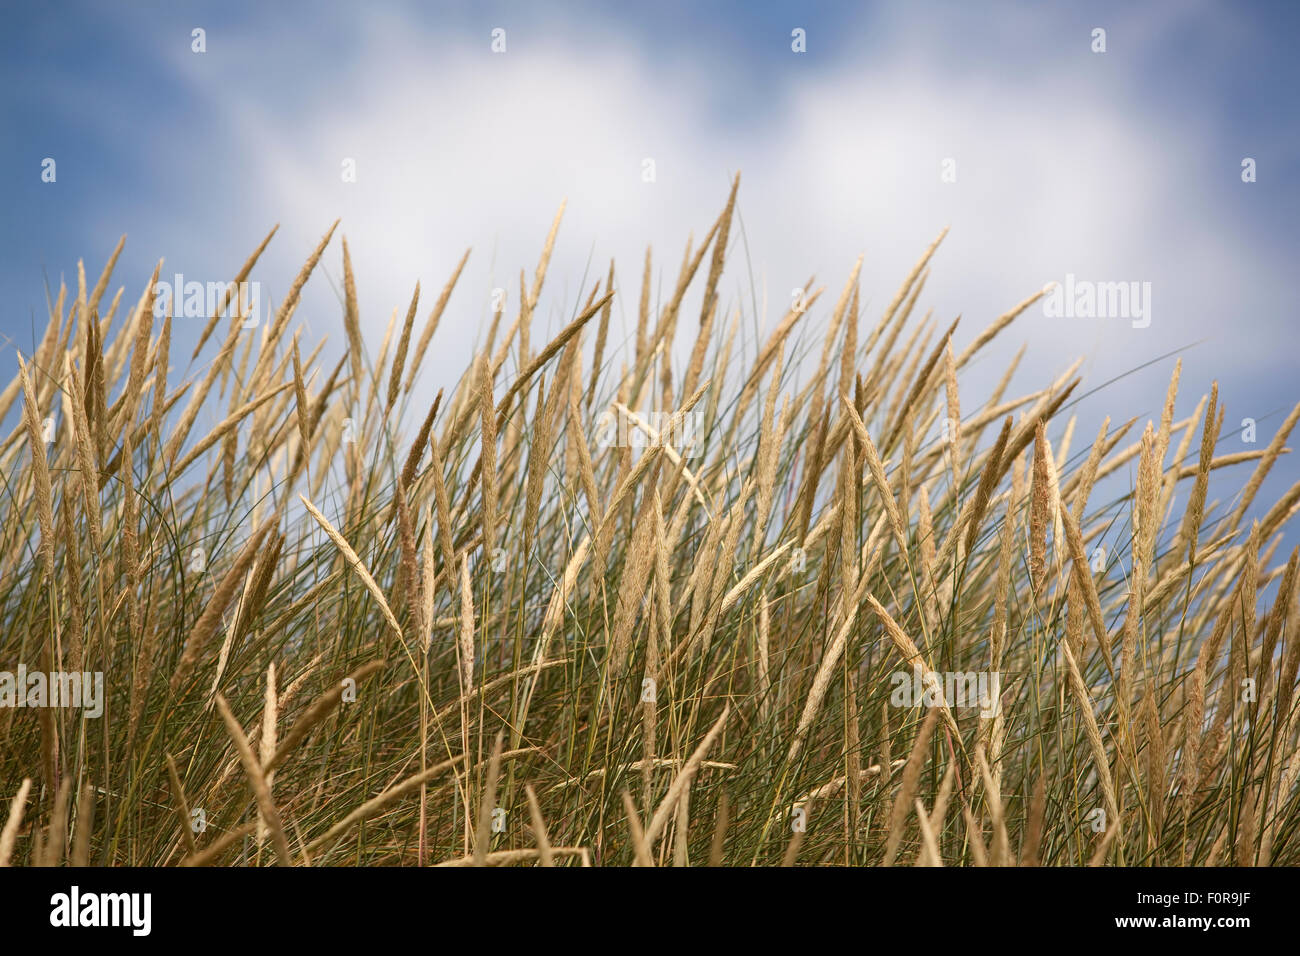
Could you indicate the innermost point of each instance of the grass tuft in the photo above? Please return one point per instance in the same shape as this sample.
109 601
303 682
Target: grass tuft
515 641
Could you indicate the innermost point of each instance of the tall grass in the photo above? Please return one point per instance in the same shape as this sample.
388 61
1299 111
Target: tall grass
339 629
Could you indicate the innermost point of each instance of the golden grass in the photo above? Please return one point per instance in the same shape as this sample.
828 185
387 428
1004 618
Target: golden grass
640 657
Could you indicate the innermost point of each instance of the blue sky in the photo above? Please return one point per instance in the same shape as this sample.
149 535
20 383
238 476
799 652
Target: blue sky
1122 166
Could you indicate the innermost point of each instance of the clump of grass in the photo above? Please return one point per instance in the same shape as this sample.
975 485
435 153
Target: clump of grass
510 641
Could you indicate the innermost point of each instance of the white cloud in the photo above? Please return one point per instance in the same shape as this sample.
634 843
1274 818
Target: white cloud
457 147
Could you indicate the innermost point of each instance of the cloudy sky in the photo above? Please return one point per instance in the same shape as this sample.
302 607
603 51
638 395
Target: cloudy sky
1117 166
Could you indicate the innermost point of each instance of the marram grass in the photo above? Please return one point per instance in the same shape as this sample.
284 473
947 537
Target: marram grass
337 629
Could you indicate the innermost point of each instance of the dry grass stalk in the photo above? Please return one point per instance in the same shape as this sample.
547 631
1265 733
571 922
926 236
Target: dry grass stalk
257 783
9 834
911 775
